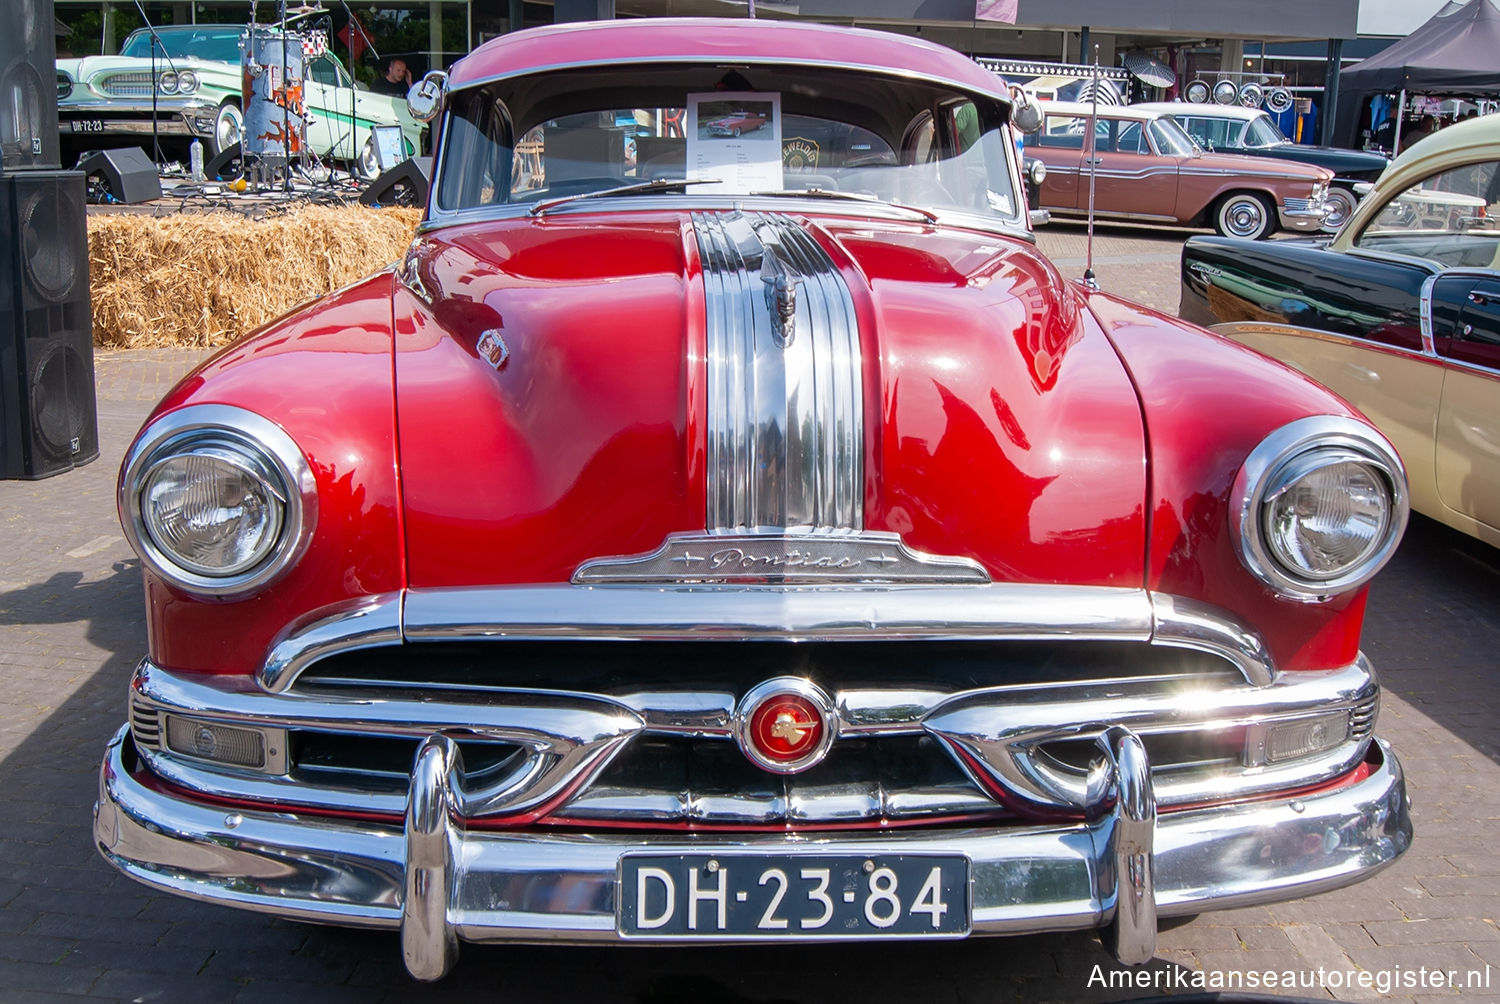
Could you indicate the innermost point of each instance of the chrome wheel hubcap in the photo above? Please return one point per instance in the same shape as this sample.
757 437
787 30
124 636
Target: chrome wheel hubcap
1244 219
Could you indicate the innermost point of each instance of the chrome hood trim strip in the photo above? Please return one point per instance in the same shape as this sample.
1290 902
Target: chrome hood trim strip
785 392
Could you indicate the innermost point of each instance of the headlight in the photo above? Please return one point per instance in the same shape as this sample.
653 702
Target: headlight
215 508
167 82
187 82
1037 172
1320 506
216 499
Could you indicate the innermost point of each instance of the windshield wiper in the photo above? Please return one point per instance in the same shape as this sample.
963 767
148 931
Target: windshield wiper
638 188
824 193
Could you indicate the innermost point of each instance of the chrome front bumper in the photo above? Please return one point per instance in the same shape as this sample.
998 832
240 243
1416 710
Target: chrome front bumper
1304 220
438 883
132 116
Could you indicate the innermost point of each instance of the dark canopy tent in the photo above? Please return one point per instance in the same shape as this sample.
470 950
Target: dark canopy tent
1455 54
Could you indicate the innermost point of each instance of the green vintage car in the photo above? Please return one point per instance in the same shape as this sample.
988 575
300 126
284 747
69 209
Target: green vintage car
103 99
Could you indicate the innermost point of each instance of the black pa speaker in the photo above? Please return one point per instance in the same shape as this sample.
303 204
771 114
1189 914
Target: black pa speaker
28 85
127 174
48 422
405 184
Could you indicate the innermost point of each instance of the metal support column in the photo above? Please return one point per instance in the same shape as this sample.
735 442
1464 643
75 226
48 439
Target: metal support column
1330 90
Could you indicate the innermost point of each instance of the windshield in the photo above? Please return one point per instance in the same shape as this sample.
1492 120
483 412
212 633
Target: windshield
1171 139
201 42
758 130
1263 132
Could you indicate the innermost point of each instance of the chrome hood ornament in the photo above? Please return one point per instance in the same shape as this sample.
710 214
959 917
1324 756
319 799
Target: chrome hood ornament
782 559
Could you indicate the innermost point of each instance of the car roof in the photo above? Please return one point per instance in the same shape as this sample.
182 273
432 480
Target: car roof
1107 111
721 41
1202 108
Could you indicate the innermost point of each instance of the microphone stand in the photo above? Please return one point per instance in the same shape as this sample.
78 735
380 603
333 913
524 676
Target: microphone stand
155 41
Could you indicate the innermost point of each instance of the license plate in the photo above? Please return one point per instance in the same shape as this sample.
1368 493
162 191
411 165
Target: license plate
87 125
793 896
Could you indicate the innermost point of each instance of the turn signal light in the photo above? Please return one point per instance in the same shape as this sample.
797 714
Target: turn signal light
219 743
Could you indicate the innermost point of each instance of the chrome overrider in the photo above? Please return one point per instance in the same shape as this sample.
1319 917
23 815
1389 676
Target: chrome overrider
1112 845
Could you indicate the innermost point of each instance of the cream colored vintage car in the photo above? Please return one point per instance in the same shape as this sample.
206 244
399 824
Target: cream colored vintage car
1400 314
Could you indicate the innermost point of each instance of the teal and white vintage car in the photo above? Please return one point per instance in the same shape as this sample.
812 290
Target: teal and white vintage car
198 87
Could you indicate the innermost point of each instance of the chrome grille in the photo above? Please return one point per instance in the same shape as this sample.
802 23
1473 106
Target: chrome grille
130 84
145 724
1302 205
1362 719
702 782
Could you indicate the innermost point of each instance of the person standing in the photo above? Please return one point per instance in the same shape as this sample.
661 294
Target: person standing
396 79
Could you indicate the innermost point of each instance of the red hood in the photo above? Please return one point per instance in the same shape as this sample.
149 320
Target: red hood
999 423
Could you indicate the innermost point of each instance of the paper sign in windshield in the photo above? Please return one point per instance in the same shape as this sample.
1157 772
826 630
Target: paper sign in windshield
735 136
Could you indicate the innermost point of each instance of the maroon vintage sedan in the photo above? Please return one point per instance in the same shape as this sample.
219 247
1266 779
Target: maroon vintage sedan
1143 167
776 549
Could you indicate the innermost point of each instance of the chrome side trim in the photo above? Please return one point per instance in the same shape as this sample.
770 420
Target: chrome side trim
1184 623
362 623
782 559
785 414
510 886
1424 312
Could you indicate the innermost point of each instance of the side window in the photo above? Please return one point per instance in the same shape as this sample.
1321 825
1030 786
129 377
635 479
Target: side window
1209 132
1132 138
326 71
1064 131
1452 218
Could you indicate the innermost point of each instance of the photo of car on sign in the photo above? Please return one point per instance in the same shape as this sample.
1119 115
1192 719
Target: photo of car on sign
722 119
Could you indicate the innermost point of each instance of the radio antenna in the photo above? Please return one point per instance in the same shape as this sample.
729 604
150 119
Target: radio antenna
1089 281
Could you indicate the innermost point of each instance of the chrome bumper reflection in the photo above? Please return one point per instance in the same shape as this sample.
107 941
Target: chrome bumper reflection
437 882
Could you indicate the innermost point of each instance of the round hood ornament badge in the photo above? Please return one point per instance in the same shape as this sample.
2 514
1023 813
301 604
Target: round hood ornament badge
785 725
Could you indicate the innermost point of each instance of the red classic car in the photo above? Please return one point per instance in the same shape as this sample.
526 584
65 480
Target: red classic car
775 553
735 124
1142 166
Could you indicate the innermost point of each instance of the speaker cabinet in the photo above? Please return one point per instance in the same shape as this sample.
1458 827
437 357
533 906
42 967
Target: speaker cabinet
406 184
48 419
126 173
28 85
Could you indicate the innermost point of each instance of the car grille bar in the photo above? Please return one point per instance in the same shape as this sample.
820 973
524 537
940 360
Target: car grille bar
130 84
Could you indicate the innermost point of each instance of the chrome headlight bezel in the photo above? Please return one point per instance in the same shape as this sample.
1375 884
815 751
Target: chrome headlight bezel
1290 454
167 82
1036 172
244 439
187 82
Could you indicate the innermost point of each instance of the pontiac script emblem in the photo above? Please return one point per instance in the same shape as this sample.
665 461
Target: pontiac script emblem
783 559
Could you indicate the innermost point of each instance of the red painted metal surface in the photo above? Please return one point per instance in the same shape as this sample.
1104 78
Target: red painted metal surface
1207 403
720 41
324 375
588 440
1008 431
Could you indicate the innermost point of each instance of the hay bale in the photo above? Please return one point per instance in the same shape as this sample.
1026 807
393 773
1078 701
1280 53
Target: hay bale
205 279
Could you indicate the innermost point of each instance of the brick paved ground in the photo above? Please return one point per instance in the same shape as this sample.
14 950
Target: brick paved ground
71 626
